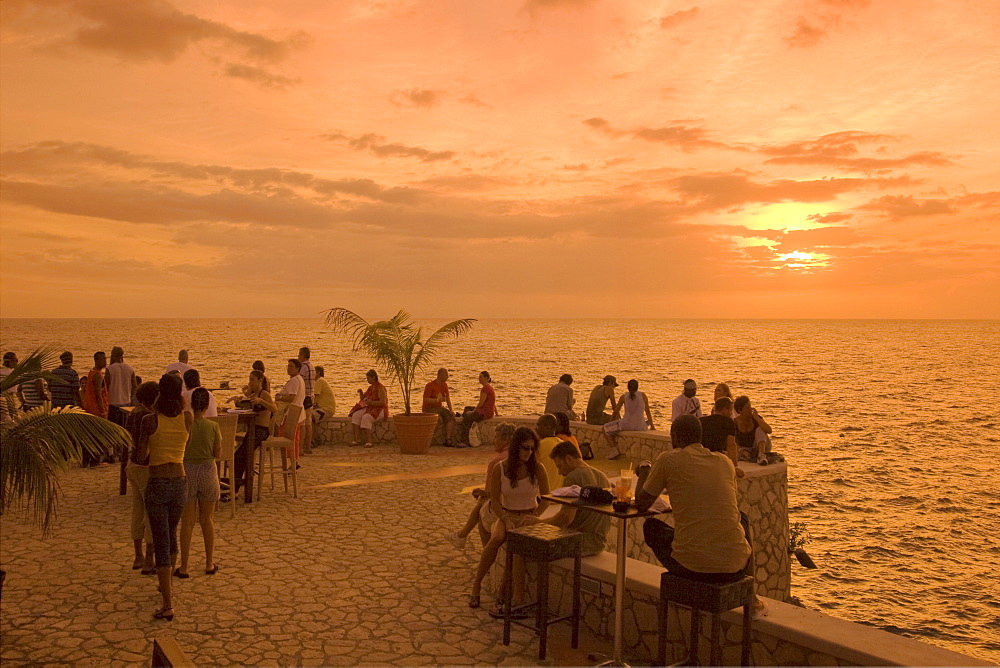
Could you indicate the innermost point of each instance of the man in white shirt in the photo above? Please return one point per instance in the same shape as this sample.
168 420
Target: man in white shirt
121 386
192 381
181 366
294 391
686 403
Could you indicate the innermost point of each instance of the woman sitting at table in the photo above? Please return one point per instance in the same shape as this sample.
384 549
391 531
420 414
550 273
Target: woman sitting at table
373 405
261 404
163 438
514 489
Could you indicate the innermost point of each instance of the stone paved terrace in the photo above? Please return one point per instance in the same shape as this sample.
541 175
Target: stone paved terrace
345 575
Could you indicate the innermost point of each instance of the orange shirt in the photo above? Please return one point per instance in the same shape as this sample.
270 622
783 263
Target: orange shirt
431 391
90 397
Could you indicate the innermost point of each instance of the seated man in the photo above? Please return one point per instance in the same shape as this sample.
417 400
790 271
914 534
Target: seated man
718 432
710 540
575 471
559 398
435 397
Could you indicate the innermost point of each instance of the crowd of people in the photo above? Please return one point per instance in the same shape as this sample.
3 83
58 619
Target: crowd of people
173 465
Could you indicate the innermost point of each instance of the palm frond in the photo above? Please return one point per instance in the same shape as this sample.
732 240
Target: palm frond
30 368
432 345
397 344
37 445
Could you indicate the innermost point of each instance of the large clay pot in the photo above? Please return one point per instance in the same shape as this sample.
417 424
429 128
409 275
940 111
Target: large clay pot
415 431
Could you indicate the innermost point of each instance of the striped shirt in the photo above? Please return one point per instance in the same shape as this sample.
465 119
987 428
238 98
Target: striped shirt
64 394
32 397
308 376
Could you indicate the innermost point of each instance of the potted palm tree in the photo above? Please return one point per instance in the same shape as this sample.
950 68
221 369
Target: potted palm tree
399 347
36 446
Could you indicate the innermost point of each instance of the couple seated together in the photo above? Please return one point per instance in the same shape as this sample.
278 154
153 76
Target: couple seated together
515 481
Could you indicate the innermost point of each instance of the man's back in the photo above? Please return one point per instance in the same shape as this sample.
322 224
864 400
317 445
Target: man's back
558 399
715 429
180 367
685 405
120 377
64 394
702 488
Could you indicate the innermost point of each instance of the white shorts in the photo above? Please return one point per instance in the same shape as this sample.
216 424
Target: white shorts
364 419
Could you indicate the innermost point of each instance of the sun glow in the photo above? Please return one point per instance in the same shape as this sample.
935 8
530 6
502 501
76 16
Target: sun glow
788 216
800 260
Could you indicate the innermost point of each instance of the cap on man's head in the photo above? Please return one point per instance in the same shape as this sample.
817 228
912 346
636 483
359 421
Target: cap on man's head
66 357
690 383
610 380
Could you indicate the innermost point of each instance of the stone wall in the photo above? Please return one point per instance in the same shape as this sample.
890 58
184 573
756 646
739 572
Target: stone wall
787 636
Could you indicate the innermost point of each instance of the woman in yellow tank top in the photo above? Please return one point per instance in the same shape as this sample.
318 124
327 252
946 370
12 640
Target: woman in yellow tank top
163 436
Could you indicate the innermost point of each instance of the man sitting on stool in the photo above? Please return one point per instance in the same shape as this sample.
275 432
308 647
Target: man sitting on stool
710 540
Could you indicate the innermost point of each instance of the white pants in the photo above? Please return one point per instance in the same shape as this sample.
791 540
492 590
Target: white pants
363 419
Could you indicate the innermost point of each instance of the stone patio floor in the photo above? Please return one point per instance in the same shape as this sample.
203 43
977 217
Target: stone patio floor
355 571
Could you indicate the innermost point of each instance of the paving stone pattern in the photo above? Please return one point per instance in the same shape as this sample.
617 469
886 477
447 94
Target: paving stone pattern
349 575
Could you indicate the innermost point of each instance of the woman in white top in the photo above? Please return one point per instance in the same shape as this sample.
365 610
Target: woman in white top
636 405
515 486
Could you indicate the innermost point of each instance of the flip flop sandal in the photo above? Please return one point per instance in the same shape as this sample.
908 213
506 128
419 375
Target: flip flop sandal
148 571
473 600
182 576
215 569
369 445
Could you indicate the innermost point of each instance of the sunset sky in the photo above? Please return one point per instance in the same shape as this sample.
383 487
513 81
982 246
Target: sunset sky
564 158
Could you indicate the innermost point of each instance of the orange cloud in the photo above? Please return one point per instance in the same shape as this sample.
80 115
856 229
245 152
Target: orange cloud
906 206
416 97
678 17
142 30
378 146
259 75
682 136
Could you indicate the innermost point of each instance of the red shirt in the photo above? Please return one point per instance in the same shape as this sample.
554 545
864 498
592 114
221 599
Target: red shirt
489 407
431 391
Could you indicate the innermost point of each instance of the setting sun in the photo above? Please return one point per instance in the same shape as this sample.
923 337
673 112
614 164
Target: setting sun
797 260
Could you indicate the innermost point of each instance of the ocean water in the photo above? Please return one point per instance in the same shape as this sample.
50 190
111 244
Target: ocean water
891 428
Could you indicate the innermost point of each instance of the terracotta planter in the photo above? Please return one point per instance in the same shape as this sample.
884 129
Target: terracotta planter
415 431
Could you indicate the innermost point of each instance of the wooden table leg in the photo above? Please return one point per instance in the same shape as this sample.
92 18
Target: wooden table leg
122 478
250 451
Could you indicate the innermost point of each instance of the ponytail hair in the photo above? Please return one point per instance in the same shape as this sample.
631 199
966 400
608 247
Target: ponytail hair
633 387
487 374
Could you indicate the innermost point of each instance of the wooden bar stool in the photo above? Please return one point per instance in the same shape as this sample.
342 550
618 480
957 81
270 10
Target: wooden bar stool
712 598
542 543
282 439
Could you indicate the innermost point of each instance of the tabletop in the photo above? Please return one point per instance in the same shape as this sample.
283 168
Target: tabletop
602 508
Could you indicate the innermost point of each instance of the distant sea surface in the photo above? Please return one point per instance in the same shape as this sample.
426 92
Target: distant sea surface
891 428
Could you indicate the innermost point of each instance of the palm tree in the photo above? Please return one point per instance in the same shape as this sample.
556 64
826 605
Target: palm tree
37 445
396 344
